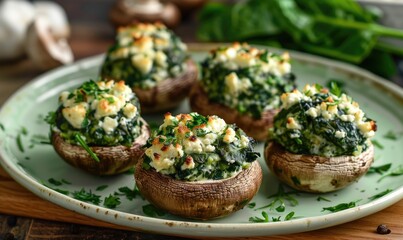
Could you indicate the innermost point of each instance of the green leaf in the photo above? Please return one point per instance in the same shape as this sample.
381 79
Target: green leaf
289 216
320 198
151 211
340 207
251 205
260 220
111 201
85 196
2 127
83 144
379 169
396 172
54 182
390 135
377 144
129 193
100 188
381 194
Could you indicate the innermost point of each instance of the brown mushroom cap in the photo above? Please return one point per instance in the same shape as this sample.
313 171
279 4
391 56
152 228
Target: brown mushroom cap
255 128
199 200
113 160
317 174
168 93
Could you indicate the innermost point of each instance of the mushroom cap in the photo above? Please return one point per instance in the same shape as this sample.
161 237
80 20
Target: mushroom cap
168 93
43 48
199 200
113 160
317 174
255 128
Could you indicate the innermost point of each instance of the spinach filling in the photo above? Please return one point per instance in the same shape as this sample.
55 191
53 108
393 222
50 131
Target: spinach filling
263 92
122 68
318 135
226 160
91 131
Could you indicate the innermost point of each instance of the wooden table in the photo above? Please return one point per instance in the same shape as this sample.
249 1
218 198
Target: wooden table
25 216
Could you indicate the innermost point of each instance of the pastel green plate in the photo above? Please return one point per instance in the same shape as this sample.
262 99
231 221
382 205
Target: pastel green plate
33 164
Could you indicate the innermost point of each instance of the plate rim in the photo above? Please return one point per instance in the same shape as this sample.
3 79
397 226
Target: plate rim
171 227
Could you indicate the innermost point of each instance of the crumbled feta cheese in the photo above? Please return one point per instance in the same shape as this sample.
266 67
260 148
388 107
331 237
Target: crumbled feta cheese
161 58
188 164
313 112
340 134
292 124
109 124
229 136
232 82
142 63
193 146
244 141
75 115
109 105
130 111
216 124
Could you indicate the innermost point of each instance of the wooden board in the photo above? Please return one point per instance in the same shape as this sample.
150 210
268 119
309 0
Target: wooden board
16 200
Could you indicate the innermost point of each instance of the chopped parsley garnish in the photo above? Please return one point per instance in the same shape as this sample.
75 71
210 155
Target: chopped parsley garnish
19 143
151 211
251 205
129 193
377 144
2 127
85 196
340 207
379 169
83 144
320 198
111 201
265 218
395 172
381 194
62 191
40 139
54 182
279 200
100 188
390 135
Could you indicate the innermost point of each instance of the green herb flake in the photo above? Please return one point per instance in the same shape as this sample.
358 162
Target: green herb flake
65 181
24 131
110 100
62 191
19 143
151 211
320 198
251 205
279 199
55 182
100 188
381 194
83 144
377 144
2 127
289 216
295 180
390 135
380 169
396 172
340 207
129 193
111 201
260 220
85 196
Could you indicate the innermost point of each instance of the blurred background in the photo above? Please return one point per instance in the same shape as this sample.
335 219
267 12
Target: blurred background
366 33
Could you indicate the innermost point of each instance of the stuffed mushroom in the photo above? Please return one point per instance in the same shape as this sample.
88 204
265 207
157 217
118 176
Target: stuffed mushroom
98 128
243 85
154 62
198 167
320 142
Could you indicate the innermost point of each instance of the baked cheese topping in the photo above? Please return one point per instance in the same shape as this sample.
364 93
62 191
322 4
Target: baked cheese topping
316 121
145 54
103 113
247 79
193 147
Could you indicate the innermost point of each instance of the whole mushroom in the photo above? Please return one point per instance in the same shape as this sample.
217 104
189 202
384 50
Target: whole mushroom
46 50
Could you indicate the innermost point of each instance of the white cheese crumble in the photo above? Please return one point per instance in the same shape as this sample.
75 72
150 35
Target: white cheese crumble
109 125
75 115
